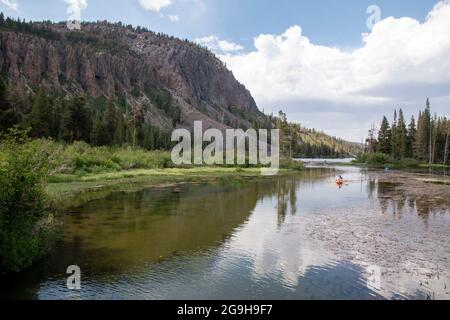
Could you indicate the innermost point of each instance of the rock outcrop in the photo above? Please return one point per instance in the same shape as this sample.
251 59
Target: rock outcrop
112 61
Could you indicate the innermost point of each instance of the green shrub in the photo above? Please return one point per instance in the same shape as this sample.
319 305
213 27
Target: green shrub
287 163
25 222
374 159
381 159
80 158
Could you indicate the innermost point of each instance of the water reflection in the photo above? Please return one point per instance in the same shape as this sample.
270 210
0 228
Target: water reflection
217 240
394 199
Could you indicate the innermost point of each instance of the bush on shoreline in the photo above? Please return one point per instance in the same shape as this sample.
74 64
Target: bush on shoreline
26 224
80 158
382 160
291 164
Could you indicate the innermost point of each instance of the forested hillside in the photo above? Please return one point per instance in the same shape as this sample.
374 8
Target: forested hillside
300 142
110 84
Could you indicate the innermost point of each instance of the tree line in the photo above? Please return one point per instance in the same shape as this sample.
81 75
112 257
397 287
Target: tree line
99 122
425 139
299 142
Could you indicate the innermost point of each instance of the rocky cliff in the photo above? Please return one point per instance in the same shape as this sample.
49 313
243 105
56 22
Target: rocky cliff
114 61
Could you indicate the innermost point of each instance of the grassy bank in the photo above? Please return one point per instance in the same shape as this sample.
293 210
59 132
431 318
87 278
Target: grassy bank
379 160
39 177
78 189
79 168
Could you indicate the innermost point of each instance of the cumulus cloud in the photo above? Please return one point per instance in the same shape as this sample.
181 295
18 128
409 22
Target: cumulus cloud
75 7
11 4
399 64
174 18
155 5
217 45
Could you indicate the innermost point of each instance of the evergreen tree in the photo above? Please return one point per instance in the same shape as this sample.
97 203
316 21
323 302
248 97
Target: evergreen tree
402 136
394 137
75 121
8 117
434 131
40 118
411 140
110 122
120 133
136 126
384 137
149 137
428 141
56 113
422 143
99 135
430 131
447 141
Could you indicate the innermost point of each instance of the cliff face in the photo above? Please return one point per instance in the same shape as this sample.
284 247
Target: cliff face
112 61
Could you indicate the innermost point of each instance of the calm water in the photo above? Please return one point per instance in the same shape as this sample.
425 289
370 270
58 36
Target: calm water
213 240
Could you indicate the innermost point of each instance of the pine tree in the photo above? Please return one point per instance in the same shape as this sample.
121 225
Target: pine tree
40 118
55 118
8 117
423 135
428 140
110 122
394 146
430 131
285 134
411 138
447 142
136 126
435 126
402 136
384 137
99 135
76 121
149 137
120 134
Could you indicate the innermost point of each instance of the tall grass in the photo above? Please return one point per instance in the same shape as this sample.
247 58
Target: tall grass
80 158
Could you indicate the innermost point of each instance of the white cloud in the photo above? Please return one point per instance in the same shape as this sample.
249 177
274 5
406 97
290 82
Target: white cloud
174 18
75 7
11 4
155 5
217 45
400 62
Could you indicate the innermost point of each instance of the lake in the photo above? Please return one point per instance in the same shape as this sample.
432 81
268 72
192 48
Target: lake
290 237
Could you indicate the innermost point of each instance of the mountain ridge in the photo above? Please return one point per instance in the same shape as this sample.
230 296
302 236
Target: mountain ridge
155 81
112 60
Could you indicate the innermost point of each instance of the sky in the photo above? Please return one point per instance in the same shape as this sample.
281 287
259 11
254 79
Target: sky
336 66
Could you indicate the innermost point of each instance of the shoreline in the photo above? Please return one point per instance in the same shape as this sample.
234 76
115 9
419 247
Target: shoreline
371 235
77 190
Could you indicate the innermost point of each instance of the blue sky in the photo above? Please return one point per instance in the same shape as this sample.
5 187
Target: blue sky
317 60
327 22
